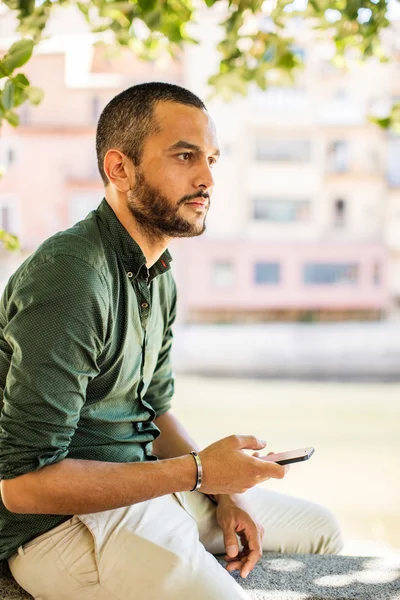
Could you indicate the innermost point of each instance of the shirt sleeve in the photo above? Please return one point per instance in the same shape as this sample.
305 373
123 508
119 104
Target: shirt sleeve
56 316
161 388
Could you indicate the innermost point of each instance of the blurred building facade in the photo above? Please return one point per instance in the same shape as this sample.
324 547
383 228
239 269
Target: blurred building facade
305 216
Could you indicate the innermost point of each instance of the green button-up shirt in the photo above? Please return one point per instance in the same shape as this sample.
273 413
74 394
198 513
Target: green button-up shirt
85 338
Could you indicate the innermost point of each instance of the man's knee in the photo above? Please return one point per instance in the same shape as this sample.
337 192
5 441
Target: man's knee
329 539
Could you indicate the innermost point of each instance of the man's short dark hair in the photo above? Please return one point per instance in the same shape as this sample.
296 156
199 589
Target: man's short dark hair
128 119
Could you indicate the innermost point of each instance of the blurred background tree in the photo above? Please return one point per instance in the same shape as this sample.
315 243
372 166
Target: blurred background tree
256 46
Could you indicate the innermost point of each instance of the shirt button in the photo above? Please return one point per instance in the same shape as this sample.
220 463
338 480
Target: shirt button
130 275
145 305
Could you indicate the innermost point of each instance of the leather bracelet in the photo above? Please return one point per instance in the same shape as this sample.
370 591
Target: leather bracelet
199 470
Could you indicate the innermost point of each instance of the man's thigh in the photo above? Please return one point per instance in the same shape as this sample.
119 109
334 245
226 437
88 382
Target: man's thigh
148 551
291 525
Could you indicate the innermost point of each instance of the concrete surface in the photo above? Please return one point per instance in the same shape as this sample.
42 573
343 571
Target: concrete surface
295 577
350 351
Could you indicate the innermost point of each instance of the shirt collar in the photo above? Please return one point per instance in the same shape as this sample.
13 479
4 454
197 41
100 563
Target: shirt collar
126 247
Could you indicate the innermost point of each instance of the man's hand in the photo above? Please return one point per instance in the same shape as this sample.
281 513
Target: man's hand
234 518
227 469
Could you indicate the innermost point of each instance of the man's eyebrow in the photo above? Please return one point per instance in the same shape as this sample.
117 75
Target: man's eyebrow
182 144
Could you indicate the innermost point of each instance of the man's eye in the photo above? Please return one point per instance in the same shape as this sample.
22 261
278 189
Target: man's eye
185 154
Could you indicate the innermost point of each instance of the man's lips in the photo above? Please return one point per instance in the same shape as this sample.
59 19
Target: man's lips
199 202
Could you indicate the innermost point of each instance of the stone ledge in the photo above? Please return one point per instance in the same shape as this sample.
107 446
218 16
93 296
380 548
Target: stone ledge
295 577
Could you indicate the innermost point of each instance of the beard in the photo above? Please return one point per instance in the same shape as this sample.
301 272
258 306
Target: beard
156 215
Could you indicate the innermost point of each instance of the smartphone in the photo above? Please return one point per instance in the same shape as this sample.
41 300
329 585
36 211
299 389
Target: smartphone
293 456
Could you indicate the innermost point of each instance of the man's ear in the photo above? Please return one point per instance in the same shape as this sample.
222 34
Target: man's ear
119 170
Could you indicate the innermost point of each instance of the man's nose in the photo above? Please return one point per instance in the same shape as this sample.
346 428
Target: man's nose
204 176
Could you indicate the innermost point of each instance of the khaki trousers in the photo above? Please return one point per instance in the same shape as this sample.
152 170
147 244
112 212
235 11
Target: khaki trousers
162 549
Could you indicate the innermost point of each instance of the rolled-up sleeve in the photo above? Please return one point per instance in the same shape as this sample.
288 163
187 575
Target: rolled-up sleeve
161 388
55 330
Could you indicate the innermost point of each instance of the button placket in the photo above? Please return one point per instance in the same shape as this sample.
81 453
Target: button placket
144 302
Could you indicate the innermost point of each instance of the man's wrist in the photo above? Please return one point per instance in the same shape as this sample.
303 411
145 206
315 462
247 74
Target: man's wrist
217 498
213 498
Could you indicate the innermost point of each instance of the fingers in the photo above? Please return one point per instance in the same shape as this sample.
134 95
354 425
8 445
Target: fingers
254 543
236 565
258 454
231 543
276 471
246 560
250 442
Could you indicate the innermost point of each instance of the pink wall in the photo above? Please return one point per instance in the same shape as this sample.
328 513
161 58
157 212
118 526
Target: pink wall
200 292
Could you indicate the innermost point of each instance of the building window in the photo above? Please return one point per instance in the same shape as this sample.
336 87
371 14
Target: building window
341 94
11 156
5 218
282 150
281 210
25 114
393 161
267 273
330 273
8 214
7 154
339 214
377 273
96 108
338 156
372 161
222 273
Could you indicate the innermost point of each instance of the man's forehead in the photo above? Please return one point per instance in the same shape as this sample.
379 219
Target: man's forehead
182 122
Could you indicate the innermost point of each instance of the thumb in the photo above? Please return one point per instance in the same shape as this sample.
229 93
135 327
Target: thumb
251 442
231 543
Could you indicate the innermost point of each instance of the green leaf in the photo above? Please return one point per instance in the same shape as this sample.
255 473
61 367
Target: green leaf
84 8
20 96
20 80
100 29
26 7
287 61
35 95
153 19
147 5
4 71
8 95
11 242
384 123
12 118
18 55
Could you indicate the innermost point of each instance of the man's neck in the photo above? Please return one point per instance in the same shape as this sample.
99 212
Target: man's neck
151 245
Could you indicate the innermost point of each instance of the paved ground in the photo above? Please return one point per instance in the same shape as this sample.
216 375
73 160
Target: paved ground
303 350
354 427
